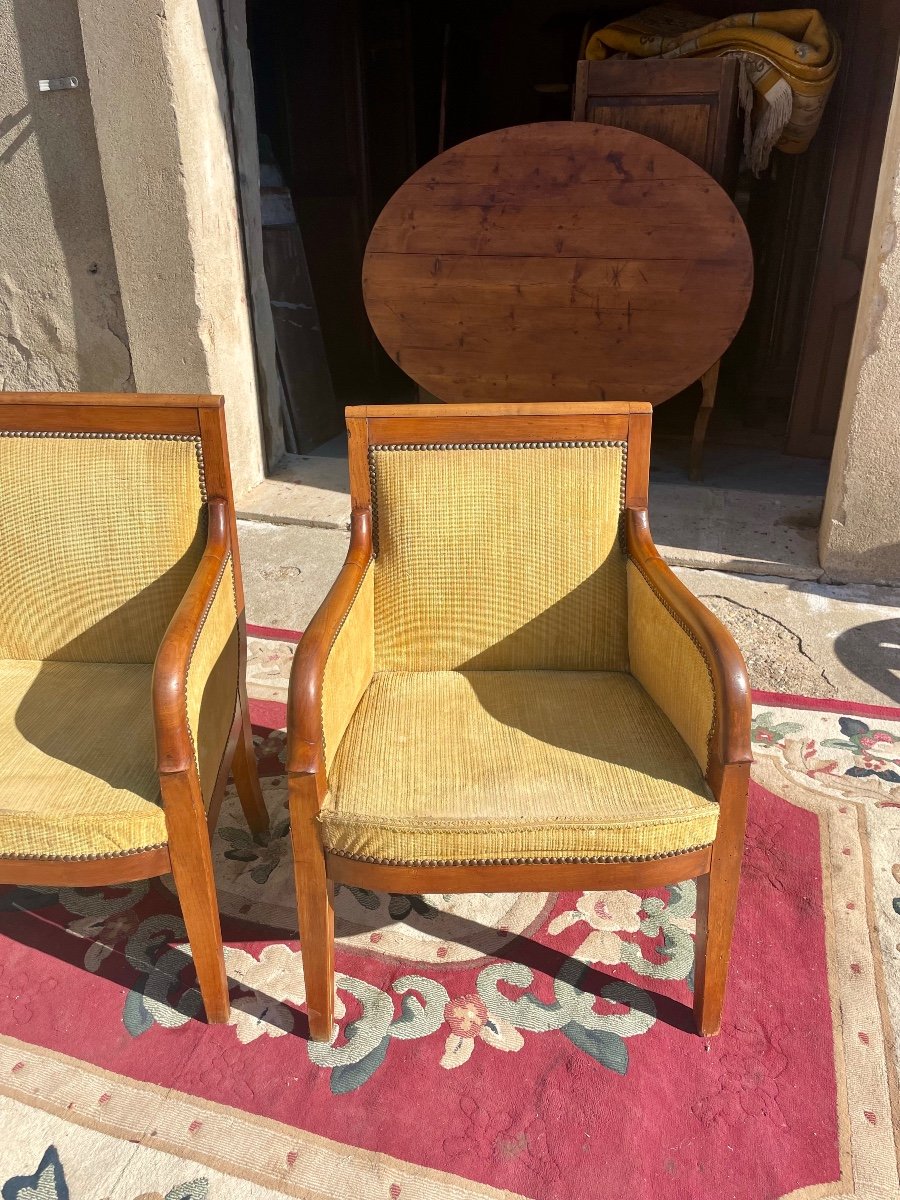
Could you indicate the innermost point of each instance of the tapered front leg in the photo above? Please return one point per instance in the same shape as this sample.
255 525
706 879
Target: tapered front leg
315 911
192 868
717 896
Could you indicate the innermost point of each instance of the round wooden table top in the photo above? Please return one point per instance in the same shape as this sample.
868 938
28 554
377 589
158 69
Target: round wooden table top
560 261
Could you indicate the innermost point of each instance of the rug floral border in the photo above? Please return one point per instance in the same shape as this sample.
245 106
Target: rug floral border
864 1041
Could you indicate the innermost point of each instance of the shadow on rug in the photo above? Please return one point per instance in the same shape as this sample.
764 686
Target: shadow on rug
489 1046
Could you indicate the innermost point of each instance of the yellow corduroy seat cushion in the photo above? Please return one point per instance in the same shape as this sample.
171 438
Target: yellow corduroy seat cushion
512 766
77 760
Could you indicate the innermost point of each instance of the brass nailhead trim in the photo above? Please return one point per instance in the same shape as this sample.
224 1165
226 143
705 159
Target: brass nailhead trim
514 862
81 857
120 437
680 621
605 443
199 630
491 445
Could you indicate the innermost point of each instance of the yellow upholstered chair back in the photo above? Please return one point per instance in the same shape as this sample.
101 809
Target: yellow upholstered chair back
102 533
499 556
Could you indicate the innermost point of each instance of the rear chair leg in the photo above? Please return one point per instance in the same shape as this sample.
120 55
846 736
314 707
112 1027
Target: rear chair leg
315 899
246 778
708 381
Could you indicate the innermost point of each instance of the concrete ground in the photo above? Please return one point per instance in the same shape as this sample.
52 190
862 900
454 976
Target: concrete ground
748 553
287 570
810 638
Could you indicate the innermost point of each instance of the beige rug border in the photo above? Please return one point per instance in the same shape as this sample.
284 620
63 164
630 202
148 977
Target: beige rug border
258 1149
865 1075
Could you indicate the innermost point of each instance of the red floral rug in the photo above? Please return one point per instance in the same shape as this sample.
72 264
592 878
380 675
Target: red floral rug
489 1046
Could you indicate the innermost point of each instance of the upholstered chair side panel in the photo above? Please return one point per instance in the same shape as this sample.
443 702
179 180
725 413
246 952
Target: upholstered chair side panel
670 665
500 557
349 668
212 681
102 534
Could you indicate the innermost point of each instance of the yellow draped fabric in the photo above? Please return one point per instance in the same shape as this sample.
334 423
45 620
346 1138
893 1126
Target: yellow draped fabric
788 64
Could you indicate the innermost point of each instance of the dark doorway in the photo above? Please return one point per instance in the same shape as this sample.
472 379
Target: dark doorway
353 96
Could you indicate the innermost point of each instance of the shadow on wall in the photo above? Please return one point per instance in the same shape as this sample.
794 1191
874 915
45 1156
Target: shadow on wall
68 335
18 124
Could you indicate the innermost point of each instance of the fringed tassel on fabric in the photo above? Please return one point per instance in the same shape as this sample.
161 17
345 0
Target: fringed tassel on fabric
767 111
788 59
776 112
746 96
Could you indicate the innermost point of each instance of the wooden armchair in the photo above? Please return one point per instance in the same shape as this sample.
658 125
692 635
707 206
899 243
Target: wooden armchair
121 625
507 689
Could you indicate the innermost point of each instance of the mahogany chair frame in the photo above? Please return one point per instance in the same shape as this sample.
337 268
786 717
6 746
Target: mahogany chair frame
716 868
189 822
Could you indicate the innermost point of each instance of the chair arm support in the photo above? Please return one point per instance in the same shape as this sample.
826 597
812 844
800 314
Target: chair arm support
175 749
306 741
730 736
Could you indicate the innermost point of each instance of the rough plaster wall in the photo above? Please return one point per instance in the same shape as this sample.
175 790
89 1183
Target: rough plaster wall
859 536
61 322
160 100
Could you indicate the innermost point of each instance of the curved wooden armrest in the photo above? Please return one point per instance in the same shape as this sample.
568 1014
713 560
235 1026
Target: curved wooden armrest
304 749
731 685
174 748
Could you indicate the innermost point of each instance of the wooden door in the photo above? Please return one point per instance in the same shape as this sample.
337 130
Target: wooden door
860 107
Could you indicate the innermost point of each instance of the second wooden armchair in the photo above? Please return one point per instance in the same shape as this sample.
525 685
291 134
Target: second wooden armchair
507 689
122 648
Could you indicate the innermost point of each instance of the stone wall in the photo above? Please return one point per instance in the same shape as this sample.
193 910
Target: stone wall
160 104
121 255
859 538
61 321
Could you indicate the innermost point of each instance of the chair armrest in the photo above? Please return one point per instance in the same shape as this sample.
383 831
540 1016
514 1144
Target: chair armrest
687 652
195 675
334 662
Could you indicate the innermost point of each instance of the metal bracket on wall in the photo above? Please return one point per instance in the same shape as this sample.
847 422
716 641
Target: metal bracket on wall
58 85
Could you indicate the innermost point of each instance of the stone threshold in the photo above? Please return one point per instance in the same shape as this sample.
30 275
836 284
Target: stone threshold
304 489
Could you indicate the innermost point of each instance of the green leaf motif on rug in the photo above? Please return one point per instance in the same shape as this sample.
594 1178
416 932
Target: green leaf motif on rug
135 1016
197 1189
49 1183
766 731
350 1076
604 1047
